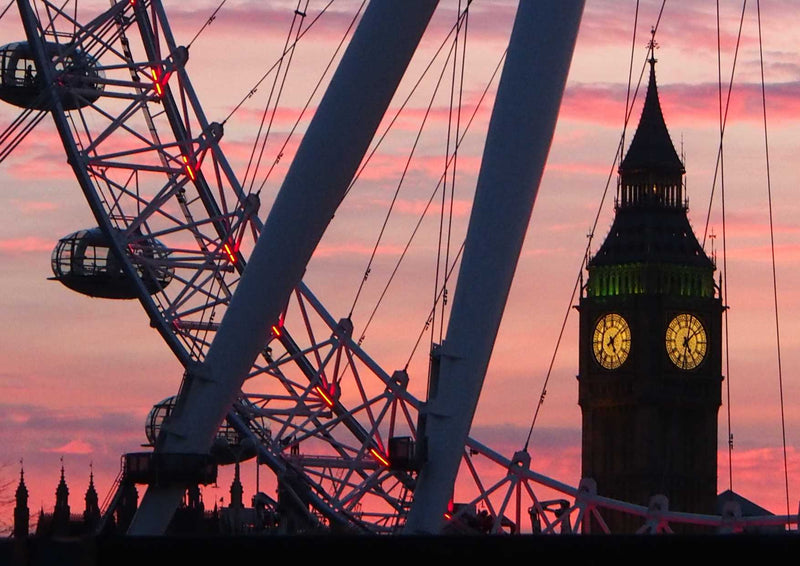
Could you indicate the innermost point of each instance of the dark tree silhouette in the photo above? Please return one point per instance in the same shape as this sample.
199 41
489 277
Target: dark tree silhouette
6 498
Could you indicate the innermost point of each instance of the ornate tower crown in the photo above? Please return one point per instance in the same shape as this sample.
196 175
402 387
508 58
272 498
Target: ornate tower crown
651 226
651 152
650 338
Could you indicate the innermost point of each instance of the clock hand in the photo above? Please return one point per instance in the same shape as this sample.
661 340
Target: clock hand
687 353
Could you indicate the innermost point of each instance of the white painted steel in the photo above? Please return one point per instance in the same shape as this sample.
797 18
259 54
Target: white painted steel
521 129
333 147
339 485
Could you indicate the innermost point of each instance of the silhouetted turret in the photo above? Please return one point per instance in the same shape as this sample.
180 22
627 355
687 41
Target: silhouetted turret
61 513
91 513
21 513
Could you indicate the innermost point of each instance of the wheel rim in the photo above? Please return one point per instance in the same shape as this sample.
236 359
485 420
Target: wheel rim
151 168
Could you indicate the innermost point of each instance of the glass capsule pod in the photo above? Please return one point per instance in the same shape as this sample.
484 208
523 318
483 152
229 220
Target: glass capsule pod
83 261
77 78
228 446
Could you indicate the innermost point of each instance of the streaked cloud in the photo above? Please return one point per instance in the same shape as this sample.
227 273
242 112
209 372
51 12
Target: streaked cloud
89 358
29 244
73 447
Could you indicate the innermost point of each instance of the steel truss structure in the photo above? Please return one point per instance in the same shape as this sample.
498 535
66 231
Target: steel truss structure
320 411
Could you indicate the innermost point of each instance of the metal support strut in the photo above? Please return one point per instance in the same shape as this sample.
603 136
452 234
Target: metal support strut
327 159
518 141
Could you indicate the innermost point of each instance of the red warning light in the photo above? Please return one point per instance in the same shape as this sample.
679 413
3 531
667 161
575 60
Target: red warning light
379 457
160 79
277 329
190 172
230 252
157 82
323 394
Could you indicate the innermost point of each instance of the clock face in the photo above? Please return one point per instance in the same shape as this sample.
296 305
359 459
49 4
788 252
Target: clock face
686 341
611 341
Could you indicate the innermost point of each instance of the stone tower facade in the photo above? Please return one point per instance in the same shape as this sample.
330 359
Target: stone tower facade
650 338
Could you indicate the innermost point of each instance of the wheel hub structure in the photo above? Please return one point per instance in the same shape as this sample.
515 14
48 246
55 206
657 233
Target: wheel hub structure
320 411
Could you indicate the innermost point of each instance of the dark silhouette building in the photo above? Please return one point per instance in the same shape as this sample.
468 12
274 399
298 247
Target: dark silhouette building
91 513
21 512
190 519
62 523
61 512
650 339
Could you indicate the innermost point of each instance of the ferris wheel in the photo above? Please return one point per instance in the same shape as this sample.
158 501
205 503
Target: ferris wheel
176 230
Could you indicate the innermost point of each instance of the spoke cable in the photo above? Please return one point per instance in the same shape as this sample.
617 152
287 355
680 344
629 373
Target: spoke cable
772 252
25 122
273 67
400 109
587 250
430 200
3 13
449 232
719 173
380 141
372 153
439 297
208 22
286 50
459 107
314 90
401 181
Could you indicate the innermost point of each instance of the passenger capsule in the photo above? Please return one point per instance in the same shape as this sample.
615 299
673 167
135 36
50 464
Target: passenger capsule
228 446
77 77
84 262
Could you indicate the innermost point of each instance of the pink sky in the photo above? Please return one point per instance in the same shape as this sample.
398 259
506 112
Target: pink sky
80 374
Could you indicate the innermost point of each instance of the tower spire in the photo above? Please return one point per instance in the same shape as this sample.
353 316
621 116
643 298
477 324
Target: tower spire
61 512
650 340
652 45
236 488
91 513
21 512
651 150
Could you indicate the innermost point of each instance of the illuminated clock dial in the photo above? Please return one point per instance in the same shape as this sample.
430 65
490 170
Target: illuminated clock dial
611 341
686 341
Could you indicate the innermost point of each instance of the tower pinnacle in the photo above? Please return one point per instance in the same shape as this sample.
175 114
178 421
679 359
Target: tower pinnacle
91 513
61 512
21 513
651 150
652 45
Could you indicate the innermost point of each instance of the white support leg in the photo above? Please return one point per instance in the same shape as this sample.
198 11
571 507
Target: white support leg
520 132
329 155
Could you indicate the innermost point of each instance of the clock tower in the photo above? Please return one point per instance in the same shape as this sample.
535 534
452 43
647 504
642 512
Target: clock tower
650 374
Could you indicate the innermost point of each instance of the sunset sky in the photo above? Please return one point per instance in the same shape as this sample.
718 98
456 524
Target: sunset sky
79 375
